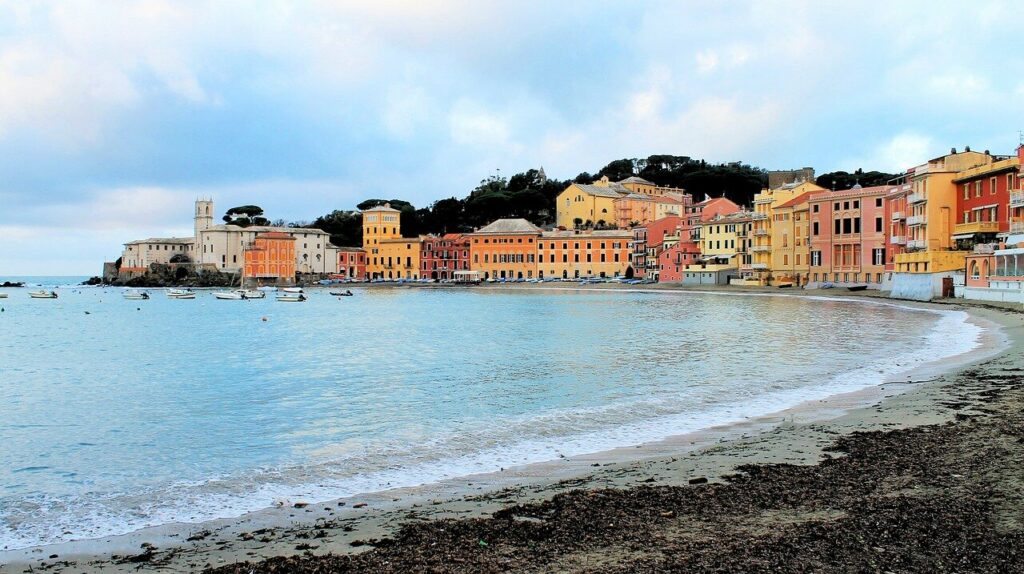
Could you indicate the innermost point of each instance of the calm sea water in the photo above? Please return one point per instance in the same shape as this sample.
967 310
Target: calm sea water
146 412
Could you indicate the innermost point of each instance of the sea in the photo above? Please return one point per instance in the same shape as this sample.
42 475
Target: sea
120 414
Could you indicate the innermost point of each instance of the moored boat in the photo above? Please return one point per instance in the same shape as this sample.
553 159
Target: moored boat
229 295
181 294
3 295
136 295
292 289
252 293
292 298
43 294
857 287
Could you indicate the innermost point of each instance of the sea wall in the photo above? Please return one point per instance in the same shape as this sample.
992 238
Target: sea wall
917 286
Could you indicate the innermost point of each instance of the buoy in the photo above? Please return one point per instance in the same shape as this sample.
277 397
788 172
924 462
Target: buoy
264 319
87 313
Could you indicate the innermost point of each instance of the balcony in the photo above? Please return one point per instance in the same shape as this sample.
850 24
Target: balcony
898 215
916 198
760 248
917 220
763 200
917 244
1017 227
756 266
1017 198
977 227
984 249
761 232
759 216
898 240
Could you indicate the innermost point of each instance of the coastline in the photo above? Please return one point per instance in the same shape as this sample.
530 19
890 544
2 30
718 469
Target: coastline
712 453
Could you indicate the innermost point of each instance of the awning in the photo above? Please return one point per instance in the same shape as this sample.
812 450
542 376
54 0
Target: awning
963 236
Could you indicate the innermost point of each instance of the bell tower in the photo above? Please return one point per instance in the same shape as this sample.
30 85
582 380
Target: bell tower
203 216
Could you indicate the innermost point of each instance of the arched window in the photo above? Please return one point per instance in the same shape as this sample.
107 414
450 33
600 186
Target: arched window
984 268
975 274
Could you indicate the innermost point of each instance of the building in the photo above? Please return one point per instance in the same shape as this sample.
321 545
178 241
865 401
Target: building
636 184
388 254
674 259
661 234
897 207
573 253
270 259
352 263
137 256
588 205
638 251
637 209
926 268
441 256
723 238
791 232
765 202
505 249
777 179
849 235
983 202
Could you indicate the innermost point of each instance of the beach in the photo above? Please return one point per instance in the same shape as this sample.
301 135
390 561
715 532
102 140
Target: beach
910 475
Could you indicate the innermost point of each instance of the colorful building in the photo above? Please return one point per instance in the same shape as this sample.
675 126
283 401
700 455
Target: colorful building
926 268
849 235
765 202
352 263
441 256
270 259
388 255
573 254
137 256
638 251
588 205
897 207
673 260
983 202
505 249
637 209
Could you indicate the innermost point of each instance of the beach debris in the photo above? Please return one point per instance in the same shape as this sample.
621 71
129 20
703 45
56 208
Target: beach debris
359 505
698 480
300 504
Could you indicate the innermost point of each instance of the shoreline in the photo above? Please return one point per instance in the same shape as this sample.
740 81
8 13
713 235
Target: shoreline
330 527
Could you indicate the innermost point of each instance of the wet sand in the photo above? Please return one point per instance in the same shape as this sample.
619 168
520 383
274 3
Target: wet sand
906 476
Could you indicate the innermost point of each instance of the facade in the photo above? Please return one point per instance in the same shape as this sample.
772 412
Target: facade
223 246
765 202
441 256
576 254
926 268
897 207
138 255
380 223
638 254
983 202
352 263
849 235
270 259
505 249
640 185
399 258
639 209
777 179
583 205
661 235
674 259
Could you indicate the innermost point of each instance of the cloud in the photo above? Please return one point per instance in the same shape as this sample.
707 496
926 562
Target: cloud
895 155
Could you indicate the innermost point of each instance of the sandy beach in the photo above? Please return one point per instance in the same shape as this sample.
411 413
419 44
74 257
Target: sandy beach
921 474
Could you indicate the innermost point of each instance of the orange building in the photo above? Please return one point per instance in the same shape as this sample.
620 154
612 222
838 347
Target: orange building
505 249
270 258
352 263
575 253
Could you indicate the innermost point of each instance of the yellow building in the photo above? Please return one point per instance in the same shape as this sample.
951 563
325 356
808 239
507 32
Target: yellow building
399 258
573 254
583 205
931 217
760 266
791 234
383 243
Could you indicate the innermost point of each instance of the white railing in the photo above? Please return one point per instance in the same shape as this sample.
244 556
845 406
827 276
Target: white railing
917 244
916 198
759 216
1017 227
760 248
761 232
898 240
917 220
898 215
1017 199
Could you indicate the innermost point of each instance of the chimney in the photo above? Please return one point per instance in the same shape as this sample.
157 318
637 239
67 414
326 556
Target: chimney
952 150
967 149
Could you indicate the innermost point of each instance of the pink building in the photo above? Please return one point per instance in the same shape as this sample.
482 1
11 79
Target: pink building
352 263
849 235
672 261
441 256
898 208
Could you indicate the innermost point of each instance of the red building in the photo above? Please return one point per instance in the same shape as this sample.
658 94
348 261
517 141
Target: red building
352 263
848 235
441 256
897 207
983 202
673 260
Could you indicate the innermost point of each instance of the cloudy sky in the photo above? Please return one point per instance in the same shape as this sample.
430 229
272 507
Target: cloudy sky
115 115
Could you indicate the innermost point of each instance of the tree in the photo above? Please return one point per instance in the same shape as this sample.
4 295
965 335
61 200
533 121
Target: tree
245 215
843 180
180 258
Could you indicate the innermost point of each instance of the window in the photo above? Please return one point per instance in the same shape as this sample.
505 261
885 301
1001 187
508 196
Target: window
856 204
814 208
878 202
878 256
836 206
846 205
816 260
838 223
977 188
967 191
878 224
847 225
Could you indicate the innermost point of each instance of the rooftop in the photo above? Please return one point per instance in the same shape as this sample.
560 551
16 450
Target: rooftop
174 240
600 191
510 226
385 207
635 179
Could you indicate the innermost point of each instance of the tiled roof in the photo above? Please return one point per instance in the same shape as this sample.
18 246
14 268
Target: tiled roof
509 226
635 179
852 192
602 191
175 240
385 207
266 228
802 198
597 233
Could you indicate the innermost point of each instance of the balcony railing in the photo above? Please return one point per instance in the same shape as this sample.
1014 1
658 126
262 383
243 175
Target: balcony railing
916 198
917 220
898 215
759 216
760 248
1017 227
977 227
1017 198
917 244
984 249
898 240
761 232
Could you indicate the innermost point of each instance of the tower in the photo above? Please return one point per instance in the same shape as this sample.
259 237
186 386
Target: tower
380 222
204 215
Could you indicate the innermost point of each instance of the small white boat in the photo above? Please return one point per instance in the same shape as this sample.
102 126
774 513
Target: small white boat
292 289
43 294
180 294
136 295
3 295
252 293
229 295
292 298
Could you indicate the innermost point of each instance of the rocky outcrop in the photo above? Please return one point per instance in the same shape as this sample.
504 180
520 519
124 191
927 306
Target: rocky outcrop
179 275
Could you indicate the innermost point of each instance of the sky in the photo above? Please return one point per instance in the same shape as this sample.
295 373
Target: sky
115 116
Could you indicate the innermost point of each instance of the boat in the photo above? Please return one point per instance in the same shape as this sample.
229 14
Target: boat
43 294
345 293
292 298
230 295
857 287
181 294
3 295
292 289
252 293
136 295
